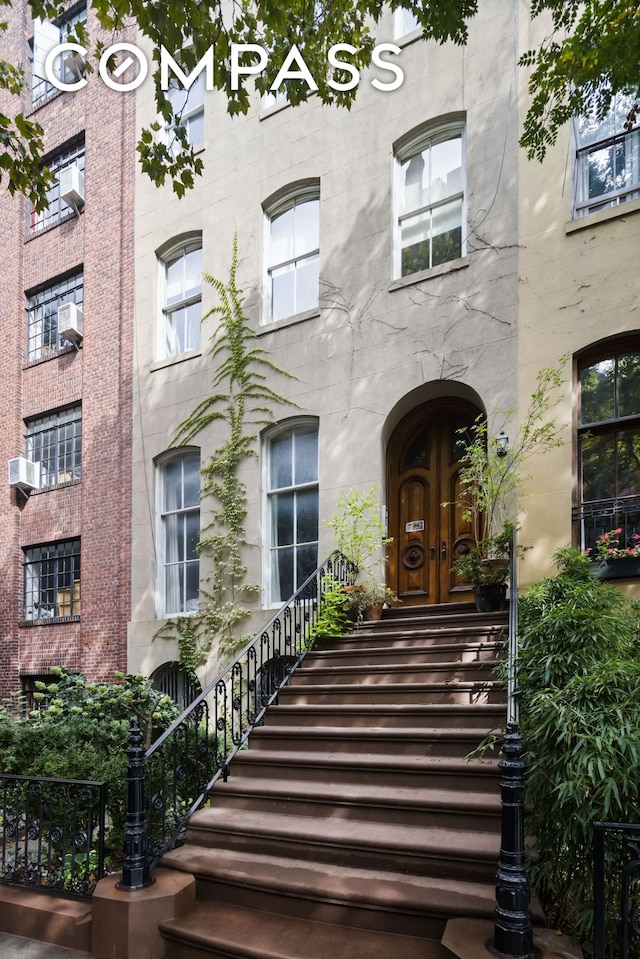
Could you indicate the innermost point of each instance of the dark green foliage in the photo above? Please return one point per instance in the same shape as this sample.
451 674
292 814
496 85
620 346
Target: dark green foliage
81 732
333 614
240 401
579 691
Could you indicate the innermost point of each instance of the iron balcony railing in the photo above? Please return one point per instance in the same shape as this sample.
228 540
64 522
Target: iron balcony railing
616 890
170 781
601 516
52 834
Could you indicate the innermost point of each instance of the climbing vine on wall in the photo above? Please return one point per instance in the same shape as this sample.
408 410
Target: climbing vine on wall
240 401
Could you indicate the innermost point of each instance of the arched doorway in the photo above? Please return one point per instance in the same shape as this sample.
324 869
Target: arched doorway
423 464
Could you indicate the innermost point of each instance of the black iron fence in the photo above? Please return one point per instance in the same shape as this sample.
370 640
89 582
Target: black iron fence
52 835
616 890
177 772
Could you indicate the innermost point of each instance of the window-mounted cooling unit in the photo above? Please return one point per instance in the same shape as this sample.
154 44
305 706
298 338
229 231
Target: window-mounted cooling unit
24 473
70 322
71 180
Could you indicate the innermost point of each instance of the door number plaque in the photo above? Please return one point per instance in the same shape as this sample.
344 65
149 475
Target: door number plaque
416 526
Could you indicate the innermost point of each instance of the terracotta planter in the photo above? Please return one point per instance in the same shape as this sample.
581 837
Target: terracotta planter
374 612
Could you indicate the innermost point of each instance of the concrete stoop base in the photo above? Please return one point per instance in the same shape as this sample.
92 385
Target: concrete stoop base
126 924
473 939
36 915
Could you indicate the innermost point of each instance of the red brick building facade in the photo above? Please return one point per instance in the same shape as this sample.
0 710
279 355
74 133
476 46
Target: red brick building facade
65 554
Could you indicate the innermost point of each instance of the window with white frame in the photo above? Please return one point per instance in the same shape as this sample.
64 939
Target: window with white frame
292 505
52 580
57 210
47 35
55 441
42 314
179 511
181 283
607 158
188 109
293 254
404 22
429 199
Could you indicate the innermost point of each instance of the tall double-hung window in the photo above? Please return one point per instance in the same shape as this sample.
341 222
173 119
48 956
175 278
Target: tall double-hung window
188 109
429 199
608 441
293 254
181 293
179 534
292 505
607 169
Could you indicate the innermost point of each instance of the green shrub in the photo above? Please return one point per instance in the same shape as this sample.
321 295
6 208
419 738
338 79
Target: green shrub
579 691
81 731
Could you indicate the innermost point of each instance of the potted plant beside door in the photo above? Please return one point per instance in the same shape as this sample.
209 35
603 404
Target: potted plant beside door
360 535
492 483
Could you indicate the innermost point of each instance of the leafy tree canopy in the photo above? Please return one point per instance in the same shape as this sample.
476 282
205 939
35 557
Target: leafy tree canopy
590 51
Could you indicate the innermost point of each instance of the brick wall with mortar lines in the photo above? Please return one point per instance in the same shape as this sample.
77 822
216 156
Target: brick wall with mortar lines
97 508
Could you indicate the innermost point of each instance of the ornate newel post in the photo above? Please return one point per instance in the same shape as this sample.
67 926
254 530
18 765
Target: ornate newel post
135 870
513 936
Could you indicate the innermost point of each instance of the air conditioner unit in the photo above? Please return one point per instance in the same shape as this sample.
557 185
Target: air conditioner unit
70 322
74 63
24 473
71 180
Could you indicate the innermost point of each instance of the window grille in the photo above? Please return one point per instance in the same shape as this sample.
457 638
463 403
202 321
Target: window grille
42 314
55 441
52 580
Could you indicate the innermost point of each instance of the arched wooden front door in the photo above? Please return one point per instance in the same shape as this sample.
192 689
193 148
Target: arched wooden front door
423 463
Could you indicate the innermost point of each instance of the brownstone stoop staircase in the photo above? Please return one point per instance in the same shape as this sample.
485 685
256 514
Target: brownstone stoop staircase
353 827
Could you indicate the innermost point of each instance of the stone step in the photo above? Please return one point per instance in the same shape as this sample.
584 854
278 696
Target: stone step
421 741
477 716
411 771
450 691
401 652
442 636
439 852
313 671
417 806
225 931
383 901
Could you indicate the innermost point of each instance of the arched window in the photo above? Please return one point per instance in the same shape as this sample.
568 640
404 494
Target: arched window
179 533
608 440
429 197
175 681
292 508
292 245
181 297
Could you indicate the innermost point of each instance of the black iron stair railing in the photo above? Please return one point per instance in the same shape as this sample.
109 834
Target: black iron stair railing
513 935
171 780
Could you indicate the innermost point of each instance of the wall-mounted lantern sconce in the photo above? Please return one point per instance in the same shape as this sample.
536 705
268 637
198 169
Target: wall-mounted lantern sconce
502 442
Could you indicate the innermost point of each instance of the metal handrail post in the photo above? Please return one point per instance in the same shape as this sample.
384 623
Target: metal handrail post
513 934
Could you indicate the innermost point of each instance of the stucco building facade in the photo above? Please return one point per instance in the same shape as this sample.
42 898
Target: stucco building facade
378 255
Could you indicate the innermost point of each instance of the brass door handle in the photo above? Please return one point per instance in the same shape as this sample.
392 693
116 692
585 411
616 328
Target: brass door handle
443 549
